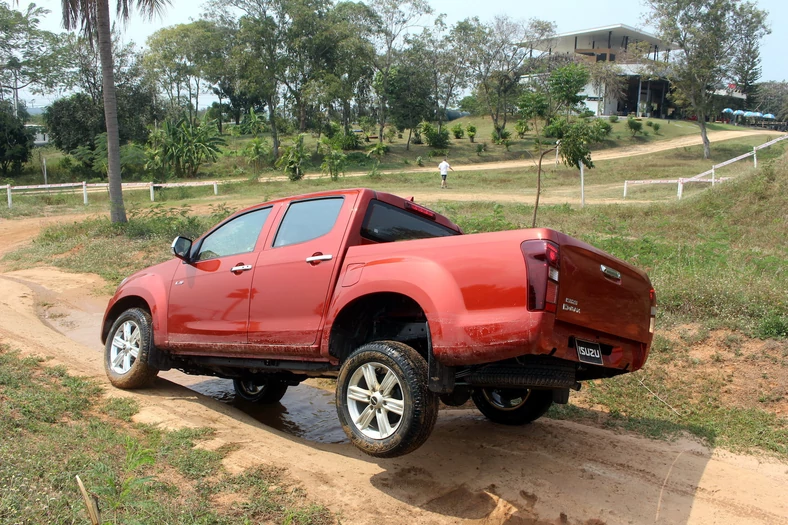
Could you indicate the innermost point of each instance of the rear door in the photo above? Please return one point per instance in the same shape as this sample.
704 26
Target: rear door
209 297
294 275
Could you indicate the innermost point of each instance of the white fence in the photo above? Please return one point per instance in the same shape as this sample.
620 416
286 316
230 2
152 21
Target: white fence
84 186
702 177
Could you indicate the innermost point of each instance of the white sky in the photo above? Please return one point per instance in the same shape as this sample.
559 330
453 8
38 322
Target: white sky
569 15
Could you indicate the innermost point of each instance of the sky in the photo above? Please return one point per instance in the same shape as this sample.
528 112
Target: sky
569 15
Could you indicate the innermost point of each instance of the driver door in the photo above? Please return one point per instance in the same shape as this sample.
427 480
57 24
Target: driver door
209 297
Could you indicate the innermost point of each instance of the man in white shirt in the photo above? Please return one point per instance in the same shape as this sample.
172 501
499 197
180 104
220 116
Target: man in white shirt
444 167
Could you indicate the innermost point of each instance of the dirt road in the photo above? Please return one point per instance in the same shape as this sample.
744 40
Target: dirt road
469 472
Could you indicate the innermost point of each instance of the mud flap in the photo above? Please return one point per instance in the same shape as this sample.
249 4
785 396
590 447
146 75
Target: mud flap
441 377
561 396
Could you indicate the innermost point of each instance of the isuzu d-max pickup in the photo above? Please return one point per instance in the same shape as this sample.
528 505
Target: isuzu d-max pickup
392 300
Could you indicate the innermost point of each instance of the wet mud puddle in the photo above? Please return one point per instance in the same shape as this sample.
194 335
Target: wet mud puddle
305 411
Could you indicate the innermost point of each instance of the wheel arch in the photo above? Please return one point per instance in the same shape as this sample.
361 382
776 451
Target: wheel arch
123 304
378 316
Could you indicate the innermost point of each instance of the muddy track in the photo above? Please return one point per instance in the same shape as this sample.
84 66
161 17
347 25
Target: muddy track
470 471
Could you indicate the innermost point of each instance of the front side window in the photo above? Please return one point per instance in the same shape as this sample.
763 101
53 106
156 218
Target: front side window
234 237
387 223
307 220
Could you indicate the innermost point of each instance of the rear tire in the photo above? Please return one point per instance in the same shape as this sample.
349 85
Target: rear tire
127 349
512 406
383 402
264 391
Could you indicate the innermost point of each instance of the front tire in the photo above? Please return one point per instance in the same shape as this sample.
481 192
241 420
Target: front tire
127 349
264 391
383 402
509 406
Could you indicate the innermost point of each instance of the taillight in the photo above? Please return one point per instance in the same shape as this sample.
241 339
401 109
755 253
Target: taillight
542 266
652 296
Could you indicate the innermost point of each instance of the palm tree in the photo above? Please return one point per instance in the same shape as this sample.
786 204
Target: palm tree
92 18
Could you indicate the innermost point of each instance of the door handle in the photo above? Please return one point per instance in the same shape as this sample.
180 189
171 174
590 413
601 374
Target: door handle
241 268
318 258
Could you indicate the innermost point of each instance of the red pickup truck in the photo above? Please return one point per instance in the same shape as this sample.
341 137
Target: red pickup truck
391 299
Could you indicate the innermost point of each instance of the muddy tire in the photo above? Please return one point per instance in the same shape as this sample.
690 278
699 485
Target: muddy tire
263 391
383 401
127 349
512 406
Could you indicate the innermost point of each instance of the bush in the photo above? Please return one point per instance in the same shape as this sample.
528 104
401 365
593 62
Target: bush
649 123
498 137
345 141
390 134
435 138
601 130
634 126
773 326
481 148
656 127
613 119
471 130
457 131
521 128
556 129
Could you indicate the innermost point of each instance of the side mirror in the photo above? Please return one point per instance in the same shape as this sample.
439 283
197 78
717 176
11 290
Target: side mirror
181 247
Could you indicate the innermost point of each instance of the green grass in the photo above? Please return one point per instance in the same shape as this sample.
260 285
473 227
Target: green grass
699 412
54 426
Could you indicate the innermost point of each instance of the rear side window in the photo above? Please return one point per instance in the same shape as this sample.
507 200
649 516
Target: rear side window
387 223
307 220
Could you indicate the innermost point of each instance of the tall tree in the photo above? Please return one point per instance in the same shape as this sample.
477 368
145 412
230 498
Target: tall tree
500 54
181 57
394 18
29 56
92 18
773 98
410 95
707 34
443 53
16 142
746 68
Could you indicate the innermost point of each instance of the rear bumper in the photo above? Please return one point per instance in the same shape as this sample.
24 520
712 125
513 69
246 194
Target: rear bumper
547 336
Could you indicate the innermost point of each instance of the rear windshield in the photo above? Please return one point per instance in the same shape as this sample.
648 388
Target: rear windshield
387 223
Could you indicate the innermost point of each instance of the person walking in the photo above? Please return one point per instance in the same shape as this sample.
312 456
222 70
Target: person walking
444 168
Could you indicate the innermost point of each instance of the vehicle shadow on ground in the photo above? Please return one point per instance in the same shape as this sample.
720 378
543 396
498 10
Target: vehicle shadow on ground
551 471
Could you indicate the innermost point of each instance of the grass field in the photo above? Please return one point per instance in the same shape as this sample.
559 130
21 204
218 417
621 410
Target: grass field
54 426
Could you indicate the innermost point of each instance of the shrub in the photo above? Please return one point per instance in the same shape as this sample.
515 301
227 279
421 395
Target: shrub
389 134
521 128
634 126
773 325
613 119
471 130
457 131
420 161
556 129
345 141
498 137
649 123
481 148
435 138
656 127
601 129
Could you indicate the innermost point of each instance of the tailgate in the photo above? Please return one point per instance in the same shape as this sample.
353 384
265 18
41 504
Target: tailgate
600 292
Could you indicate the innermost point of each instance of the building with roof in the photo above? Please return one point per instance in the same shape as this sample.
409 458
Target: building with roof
642 95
